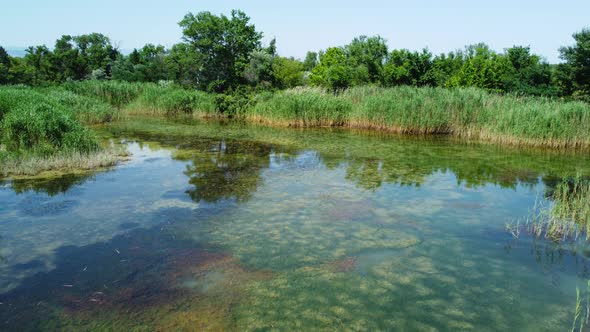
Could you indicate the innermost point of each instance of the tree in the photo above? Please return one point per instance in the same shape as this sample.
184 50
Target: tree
528 74
38 65
332 71
444 66
183 64
311 60
369 52
577 64
287 72
224 46
4 66
482 68
404 67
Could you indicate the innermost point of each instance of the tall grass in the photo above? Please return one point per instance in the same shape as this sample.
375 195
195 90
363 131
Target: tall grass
87 110
116 93
302 108
156 100
470 113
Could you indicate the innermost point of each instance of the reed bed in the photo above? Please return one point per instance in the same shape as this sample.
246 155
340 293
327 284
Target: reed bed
468 113
155 100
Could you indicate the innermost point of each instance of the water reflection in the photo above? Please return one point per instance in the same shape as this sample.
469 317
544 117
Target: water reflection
226 169
52 186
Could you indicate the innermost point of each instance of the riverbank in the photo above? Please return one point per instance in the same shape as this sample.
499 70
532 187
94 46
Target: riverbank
466 113
54 119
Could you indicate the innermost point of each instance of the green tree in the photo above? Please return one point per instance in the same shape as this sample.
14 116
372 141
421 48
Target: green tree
183 64
38 65
528 74
259 71
311 60
332 71
5 63
443 67
145 65
577 65
482 68
404 67
224 45
369 52
287 72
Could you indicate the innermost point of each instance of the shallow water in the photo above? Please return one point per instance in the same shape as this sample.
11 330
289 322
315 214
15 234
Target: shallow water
223 226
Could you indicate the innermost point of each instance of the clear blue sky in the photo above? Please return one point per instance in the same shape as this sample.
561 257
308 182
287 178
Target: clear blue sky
304 25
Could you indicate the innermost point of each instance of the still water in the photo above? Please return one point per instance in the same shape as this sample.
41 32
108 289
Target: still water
224 226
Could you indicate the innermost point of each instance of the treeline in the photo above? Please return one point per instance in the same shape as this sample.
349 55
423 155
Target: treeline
225 55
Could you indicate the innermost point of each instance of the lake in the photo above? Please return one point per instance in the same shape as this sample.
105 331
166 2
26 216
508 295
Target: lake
226 226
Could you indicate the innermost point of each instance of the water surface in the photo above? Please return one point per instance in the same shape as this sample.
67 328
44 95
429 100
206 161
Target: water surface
224 226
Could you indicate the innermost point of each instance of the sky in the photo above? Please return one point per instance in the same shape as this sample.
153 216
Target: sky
304 25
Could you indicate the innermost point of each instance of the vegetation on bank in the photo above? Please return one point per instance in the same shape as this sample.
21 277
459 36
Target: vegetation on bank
221 68
470 113
43 129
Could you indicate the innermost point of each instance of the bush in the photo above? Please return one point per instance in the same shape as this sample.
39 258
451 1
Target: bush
234 103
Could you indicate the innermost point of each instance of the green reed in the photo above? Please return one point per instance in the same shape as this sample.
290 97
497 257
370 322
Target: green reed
469 113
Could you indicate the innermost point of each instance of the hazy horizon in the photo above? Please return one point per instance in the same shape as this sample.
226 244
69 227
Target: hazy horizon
310 26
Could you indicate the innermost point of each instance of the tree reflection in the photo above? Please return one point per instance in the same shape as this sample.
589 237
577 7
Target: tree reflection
51 186
226 170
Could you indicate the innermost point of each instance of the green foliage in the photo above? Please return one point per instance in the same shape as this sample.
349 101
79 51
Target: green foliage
311 60
577 67
145 65
332 72
483 68
528 74
408 68
234 102
4 67
224 46
287 73
259 71
370 53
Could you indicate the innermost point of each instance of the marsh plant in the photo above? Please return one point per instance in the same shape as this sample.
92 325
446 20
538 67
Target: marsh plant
582 311
565 218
